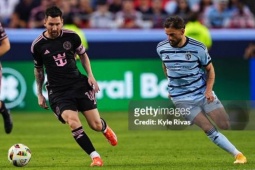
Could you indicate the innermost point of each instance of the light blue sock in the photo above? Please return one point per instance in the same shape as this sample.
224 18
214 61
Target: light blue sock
220 140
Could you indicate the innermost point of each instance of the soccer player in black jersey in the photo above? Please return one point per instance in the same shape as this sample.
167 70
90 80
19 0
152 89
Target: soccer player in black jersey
4 47
69 91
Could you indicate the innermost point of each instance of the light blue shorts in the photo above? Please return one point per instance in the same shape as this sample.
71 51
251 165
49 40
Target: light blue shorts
194 107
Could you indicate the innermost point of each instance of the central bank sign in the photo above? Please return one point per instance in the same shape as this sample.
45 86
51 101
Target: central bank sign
150 87
120 81
18 89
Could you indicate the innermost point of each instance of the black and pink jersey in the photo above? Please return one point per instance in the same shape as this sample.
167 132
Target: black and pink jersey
57 56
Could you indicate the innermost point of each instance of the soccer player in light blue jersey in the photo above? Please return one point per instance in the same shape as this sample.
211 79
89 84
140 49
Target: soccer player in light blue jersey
190 87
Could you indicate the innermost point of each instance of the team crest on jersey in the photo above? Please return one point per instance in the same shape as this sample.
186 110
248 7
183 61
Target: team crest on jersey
67 45
188 55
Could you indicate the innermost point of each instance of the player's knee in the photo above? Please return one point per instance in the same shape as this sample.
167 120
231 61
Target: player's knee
96 125
224 125
73 123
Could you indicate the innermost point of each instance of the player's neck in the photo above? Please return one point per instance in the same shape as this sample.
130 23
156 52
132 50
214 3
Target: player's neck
47 35
183 42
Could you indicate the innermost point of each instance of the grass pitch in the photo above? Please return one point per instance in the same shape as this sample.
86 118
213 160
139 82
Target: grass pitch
53 147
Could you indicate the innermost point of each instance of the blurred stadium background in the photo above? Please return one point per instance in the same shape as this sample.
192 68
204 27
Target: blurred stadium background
124 59
127 67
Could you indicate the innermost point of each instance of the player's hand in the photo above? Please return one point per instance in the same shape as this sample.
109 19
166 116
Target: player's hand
92 82
42 101
209 96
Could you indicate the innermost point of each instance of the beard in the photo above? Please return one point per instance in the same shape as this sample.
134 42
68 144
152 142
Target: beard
54 34
175 43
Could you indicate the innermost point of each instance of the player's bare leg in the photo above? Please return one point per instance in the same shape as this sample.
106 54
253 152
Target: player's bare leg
203 122
218 138
72 119
99 124
221 119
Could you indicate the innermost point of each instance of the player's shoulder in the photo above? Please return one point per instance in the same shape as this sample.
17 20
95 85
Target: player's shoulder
37 41
39 38
162 43
67 32
3 34
196 44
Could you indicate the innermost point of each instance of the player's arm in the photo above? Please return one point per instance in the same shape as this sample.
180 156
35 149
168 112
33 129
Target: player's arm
80 50
4 41
39 77
165 72
210 82
39 74
164 69
5 46
87 67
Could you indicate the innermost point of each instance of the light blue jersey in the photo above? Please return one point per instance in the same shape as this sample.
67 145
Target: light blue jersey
186 79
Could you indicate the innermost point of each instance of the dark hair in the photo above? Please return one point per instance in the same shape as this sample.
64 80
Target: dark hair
193 16
101 2
53 12
174 22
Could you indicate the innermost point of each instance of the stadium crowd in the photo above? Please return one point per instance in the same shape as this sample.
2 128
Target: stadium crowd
129 14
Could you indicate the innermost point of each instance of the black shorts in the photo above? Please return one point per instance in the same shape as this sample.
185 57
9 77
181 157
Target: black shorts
79 97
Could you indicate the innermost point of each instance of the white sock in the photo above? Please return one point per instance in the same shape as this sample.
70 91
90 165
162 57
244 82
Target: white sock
94 154
105 130
220 140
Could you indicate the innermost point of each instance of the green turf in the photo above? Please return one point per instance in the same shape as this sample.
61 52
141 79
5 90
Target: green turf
53 147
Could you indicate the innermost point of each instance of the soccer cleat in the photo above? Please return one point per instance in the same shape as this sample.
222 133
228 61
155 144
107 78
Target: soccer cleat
110 136
96 161
8 125
240 159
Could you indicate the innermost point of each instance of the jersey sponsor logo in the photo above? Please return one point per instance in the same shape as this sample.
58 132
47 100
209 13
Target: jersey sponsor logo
67 45
13 89
60 60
